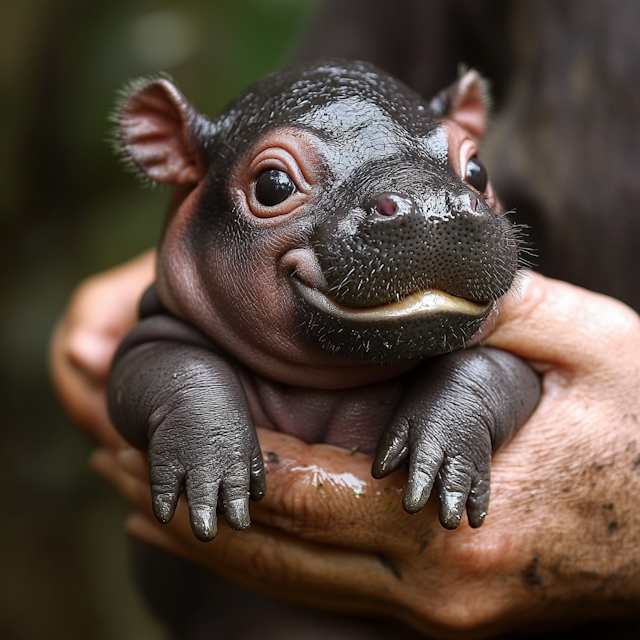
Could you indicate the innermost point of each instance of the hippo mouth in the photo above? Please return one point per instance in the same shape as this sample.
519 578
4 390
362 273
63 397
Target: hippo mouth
423 324
421 304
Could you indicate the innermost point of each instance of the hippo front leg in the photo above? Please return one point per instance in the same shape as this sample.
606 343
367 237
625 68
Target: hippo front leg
458 409
187 405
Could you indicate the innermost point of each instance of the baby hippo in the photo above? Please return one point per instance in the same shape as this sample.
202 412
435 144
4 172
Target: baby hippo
330 237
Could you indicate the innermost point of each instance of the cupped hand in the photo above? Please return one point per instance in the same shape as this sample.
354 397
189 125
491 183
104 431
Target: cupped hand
102 310
559 543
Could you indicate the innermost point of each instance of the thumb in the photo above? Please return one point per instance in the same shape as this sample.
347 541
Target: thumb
556 323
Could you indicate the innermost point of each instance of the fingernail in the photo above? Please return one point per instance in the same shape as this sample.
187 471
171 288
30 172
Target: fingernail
237 513
380 467
203 523
415 497
163 507
91 351
451 508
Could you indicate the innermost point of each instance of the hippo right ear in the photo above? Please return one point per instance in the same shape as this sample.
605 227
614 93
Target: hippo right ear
156 126
467 101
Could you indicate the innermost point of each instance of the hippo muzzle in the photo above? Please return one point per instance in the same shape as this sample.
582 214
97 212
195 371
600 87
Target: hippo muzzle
403 266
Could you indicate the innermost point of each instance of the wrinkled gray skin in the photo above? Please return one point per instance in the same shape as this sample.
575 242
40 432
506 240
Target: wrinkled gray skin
295 317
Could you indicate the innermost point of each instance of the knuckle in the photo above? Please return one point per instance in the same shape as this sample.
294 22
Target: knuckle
303 508
480 490
267 563
398 428
476 593
628 321
493 553
422 477
456 474
163 474
617 325
85 290
203 492
426 456
308 502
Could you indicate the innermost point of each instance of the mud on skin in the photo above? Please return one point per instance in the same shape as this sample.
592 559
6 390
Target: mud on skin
332 243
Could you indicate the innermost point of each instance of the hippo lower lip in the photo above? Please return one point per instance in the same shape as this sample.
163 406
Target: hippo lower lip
429 302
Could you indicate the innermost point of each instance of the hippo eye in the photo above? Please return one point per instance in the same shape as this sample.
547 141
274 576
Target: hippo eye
477 175
273 187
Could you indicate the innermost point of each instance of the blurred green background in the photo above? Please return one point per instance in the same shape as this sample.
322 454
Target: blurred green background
67 210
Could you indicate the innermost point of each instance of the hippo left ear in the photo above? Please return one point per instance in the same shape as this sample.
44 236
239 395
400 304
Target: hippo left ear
157 128
467 102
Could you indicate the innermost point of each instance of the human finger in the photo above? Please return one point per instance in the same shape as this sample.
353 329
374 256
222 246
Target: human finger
82 396
317 492
262 555
326 494
102 309
328 575
276 562
559 324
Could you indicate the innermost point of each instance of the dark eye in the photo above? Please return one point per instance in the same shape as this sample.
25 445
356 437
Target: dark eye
273 187
477 175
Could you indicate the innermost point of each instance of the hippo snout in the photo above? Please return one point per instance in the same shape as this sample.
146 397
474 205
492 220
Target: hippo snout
396 245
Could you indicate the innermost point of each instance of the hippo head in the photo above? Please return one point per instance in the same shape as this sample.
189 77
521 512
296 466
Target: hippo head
329 216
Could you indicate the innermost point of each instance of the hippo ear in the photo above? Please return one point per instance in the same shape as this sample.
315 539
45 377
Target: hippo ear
467 101
156 130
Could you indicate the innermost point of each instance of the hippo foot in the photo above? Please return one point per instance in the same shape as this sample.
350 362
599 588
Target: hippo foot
217 464
456 461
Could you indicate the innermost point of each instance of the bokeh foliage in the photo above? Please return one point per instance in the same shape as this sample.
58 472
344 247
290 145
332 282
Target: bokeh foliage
66 210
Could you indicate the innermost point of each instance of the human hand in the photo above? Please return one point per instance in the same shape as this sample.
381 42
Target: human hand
102 310
560 541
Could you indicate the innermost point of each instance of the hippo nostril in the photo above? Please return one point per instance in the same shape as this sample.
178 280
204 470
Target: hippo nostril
389 205
386 206
474 203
